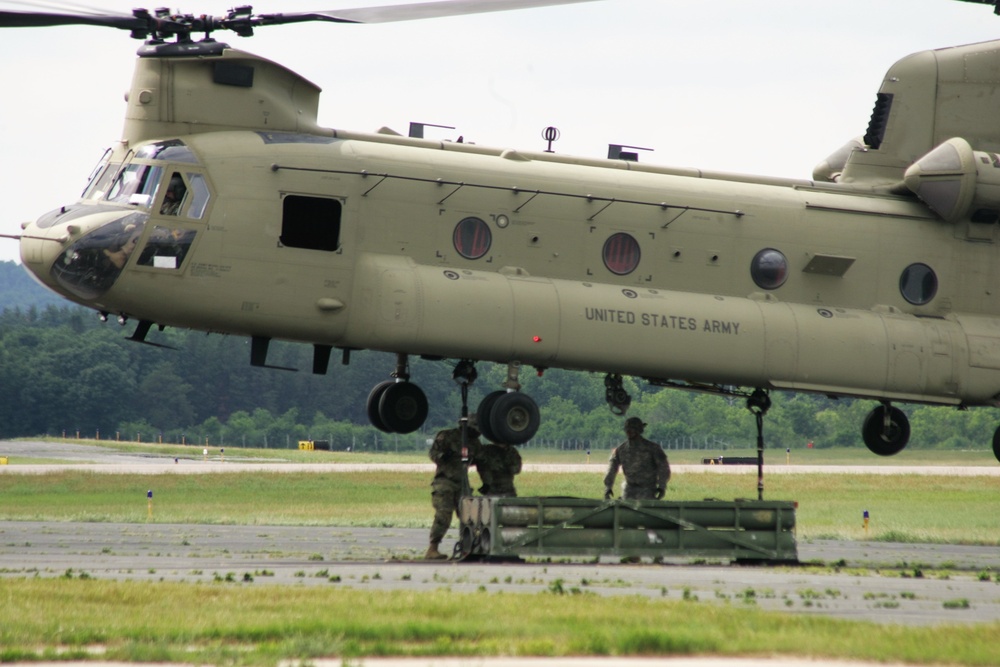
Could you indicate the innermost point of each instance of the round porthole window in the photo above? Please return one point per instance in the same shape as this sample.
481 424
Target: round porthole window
472 238
918 284
769 269
621 254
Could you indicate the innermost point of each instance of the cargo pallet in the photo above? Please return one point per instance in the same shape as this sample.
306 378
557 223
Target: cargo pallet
739 530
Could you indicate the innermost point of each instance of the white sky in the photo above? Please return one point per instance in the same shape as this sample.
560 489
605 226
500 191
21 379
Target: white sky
757 86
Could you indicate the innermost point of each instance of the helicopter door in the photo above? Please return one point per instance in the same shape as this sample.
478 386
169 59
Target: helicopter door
311 222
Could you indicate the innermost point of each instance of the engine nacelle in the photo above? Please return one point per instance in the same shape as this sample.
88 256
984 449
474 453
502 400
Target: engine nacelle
957 182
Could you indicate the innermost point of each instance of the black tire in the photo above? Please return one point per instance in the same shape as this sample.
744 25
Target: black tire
515 418
886 440
485 412
403 407
996 443
374 398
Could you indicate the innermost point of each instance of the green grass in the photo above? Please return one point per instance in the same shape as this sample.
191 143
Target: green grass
917 508
232 623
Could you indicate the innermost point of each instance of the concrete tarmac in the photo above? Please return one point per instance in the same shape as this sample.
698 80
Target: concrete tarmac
882 583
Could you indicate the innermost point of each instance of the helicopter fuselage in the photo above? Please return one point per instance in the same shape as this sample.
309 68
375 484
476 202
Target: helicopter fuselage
377 241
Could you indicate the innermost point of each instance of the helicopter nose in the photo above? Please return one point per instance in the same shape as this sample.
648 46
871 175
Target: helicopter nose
40 248
80 252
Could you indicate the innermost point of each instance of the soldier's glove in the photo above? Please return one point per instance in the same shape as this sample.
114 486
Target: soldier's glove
659 492
608 494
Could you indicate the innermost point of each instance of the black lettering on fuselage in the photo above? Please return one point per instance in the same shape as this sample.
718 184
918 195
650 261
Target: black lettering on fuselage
661 321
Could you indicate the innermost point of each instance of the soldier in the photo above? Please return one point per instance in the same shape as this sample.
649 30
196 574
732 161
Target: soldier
497 464
643 463
450 479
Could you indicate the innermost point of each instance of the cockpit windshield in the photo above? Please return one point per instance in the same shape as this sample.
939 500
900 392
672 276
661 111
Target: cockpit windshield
136 184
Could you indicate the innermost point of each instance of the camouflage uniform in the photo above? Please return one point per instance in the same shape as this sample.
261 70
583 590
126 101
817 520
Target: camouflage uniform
449 479
497 464
643 462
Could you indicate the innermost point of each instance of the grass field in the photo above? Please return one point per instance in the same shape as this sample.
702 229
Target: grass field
227 624
903 508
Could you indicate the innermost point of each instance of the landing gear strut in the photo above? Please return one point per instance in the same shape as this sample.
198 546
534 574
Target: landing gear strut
397 406
886 430
507 415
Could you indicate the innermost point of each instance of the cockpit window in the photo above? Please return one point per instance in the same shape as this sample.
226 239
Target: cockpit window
100 170
136 184
185 195
98 186
166 247
173 150
173 197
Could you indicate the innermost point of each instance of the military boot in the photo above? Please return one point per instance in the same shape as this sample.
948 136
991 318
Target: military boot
433 553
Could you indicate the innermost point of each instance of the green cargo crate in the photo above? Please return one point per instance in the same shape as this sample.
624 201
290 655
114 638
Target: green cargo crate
736 530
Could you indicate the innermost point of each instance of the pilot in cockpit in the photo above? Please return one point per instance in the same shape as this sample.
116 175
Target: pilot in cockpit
174 196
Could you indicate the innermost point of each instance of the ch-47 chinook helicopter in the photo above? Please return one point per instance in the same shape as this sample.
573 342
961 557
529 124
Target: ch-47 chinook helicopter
225 207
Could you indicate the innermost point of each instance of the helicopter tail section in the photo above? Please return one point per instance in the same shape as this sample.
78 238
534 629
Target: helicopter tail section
934 132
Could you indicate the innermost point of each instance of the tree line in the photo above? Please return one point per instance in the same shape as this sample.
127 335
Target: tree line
63 372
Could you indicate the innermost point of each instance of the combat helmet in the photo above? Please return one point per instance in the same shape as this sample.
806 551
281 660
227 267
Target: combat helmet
635 424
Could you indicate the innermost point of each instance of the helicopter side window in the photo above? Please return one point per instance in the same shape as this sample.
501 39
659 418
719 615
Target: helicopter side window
310 222
918 284
621 254
472 238
769 269
136 184
199 196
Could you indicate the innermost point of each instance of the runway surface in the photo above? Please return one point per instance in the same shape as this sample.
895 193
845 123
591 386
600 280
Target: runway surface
104 460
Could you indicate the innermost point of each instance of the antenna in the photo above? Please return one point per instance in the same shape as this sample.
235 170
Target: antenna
550 134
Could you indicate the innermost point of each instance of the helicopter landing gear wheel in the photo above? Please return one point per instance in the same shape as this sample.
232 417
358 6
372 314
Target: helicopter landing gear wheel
374 398
484 411
886 430
402 407
996 443
514 418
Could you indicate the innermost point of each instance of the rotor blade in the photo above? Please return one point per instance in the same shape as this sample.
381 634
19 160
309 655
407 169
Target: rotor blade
10 19
412 12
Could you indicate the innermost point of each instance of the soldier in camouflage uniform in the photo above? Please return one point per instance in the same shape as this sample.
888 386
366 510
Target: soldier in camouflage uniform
644 464
497 463
450 479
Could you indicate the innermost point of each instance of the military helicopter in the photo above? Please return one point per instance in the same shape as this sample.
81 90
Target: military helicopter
227 208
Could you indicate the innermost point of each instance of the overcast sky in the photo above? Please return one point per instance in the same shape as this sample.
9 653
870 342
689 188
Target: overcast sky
756 86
